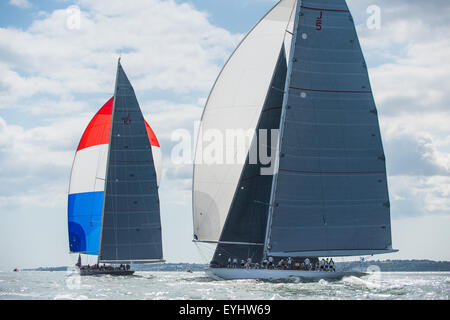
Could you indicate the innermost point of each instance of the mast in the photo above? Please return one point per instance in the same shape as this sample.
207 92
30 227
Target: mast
281 130
108 158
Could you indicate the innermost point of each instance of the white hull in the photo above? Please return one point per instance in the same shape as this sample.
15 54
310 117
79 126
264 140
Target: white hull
270 274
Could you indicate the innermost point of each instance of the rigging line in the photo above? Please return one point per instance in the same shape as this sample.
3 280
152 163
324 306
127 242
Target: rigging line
279 90
202 255
230 243
323 9
330 91
272 108
289 21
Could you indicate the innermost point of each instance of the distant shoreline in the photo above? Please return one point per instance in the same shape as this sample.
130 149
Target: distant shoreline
384 265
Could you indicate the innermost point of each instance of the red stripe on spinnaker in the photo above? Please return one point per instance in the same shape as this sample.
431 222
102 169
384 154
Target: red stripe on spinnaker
98 130
151 136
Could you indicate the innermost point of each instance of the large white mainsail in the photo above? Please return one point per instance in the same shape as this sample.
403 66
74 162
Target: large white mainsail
235 102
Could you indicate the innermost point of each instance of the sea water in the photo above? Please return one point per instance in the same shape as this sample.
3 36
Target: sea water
184 285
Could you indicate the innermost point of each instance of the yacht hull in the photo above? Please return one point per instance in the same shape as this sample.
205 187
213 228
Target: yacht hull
272 274
106 272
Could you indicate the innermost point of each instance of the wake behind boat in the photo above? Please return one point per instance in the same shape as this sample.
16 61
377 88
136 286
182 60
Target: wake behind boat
113 206
300 82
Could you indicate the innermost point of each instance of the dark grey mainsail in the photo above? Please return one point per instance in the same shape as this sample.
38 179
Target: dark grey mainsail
131 226
245 228
330 196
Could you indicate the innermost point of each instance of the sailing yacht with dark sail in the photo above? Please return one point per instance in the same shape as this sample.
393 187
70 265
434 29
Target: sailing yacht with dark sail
113 205
299 72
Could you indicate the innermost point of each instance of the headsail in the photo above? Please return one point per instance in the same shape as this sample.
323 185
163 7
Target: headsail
235 103
131 226
330 195
244 231
87 182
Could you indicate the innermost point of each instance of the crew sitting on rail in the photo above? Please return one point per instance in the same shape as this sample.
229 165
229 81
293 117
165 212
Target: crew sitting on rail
264 263
270 262
322 264
248 264
289 263
332 267
235 262
307 264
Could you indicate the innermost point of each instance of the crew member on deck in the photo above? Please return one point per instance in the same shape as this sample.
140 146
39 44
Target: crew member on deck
332 267
249 263
307 264
270 262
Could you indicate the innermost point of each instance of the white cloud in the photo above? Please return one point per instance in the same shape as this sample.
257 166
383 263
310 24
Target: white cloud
24 4
35 162
164 45
60 77
409 72
419 195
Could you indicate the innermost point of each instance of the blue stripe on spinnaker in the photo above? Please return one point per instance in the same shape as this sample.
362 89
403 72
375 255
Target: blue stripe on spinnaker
85 219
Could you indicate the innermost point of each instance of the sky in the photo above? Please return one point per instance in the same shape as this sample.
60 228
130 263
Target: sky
55 73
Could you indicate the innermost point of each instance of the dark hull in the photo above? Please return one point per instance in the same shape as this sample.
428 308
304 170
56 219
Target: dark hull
91 272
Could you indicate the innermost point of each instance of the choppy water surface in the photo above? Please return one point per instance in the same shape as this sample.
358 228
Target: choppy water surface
183 285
